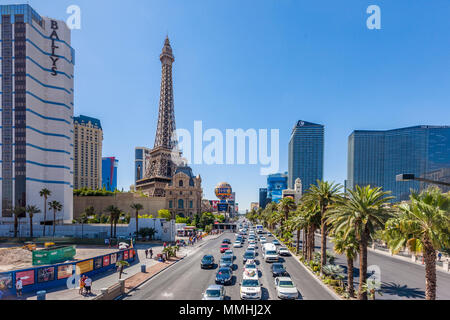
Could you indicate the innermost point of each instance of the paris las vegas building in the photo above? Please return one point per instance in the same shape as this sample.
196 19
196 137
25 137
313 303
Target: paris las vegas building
36 89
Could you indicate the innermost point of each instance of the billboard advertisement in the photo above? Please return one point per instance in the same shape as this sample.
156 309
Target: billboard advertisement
98 263
26 276
46 274
6 280
222 207
84 266
106 261
65 271
113 258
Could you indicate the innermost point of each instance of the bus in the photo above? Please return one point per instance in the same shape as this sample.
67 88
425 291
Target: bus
259 228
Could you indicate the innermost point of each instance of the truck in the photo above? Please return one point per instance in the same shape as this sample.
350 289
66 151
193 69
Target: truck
270 252
259 228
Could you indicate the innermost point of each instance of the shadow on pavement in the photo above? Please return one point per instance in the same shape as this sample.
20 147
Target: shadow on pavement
402 291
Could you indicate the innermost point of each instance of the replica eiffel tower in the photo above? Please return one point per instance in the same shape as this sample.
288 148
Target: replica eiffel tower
160 165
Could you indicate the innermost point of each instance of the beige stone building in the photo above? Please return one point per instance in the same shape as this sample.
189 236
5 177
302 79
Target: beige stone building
88 138
184 193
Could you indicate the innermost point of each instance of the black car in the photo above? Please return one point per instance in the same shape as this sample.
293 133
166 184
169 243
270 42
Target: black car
278 270
207 262
228 241
224 275
249 255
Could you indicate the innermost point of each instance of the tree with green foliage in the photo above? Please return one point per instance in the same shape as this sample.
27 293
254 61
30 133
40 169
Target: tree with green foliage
32 210
422 225
207 219
18 213
137 207
164 214
56 206
45 193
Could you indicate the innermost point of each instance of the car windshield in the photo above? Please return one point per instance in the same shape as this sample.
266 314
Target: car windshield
213 293
224 272
271 252
207 258
277 266
249 254
224 246
250 266
250 283
226 259
286 284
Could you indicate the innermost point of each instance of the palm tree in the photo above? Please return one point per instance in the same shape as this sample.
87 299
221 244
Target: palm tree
45 193
32 210
84 218
349 247
286 205
323 194
18 212
298 223
137 207
121 264
423 225
363 213
113 211
55 206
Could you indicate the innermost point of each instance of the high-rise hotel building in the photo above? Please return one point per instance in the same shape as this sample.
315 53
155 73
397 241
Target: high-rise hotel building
88 153
36 90
376 157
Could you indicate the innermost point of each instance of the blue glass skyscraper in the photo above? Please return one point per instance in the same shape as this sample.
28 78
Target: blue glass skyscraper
276 183
376 157
306 149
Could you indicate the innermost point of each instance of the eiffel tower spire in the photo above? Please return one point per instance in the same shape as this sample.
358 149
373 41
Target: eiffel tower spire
166 117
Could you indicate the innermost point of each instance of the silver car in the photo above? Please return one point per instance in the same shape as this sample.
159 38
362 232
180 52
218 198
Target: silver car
214 292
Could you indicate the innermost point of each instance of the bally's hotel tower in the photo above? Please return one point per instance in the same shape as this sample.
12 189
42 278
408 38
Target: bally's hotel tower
36 89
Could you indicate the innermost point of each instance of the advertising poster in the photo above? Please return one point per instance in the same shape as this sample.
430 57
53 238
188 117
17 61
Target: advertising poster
113 258
85 266
125 255
46 274
106 261
26 276
120 256
98 263
6 280
65 271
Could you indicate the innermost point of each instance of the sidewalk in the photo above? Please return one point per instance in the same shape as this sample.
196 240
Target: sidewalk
132 275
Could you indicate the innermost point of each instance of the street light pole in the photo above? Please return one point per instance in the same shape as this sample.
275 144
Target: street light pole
412 177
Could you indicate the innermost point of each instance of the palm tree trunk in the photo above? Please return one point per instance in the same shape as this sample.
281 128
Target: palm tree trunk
16 226
45 214
311 243
31 227
430 271
323 249
111 233
54 221
298 241
362 295
137 223
351 289
304 245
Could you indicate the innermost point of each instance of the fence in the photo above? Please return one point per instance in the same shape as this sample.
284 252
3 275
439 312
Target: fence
58 275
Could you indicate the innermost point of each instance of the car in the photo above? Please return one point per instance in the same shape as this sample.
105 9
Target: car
224 247
249 255
229 252
283 251
207 262
251 241
224 275
276 242
250 266
250 288
228 241
237 244
278 269
214 292
269 234
270 252
286 288
251 246
226 261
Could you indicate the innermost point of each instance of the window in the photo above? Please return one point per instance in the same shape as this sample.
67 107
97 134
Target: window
180 204
170 204
190 204
180 183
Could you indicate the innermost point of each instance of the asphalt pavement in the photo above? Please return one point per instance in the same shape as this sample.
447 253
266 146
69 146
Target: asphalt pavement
185 280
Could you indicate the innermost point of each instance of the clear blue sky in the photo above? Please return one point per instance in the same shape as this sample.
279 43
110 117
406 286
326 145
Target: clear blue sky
259 64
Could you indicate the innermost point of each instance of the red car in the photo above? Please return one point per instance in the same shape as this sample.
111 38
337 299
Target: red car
224 247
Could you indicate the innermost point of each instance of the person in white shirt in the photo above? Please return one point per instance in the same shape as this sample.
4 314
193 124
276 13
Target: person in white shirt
87 285
19 286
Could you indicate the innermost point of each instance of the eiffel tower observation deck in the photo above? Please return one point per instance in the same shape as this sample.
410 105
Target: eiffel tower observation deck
160 165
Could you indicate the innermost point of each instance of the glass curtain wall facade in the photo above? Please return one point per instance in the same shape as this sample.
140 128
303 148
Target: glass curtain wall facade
376 157
306 152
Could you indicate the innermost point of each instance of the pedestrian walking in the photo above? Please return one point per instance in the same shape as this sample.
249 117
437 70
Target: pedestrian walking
81 291
19 286
439 256
165 244
146 253
88 284
151 253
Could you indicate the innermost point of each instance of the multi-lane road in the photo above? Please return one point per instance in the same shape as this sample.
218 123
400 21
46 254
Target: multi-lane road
185 280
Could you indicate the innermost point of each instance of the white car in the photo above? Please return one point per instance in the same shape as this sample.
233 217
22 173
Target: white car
237 244
252 246
252 241
229 252
263 240
251 288
286 288
283 251
250 265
